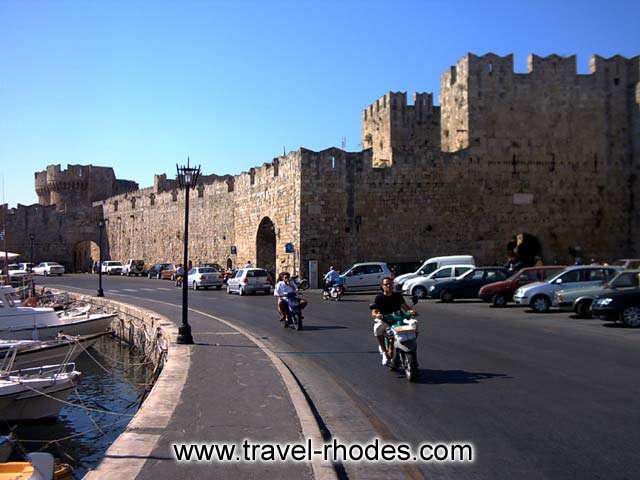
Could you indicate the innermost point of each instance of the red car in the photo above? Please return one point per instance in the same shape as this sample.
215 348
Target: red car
501 293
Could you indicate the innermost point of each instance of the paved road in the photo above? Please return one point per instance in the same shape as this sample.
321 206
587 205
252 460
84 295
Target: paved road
540 396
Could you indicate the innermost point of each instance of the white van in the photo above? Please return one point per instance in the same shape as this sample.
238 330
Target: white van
433 264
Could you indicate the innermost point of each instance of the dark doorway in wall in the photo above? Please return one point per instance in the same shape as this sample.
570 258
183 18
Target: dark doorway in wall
229 264
85 253
266 245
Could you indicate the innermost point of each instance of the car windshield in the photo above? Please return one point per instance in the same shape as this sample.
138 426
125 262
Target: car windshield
14 267
206 270
116 264
619 263
167 266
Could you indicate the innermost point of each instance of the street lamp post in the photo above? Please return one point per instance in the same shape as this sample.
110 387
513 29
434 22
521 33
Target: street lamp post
101 224
187 177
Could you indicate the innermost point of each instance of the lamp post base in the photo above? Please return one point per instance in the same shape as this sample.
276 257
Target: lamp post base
100 293
184 335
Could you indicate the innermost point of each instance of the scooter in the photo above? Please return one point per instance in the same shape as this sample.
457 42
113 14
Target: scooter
294 312
403 332
335 291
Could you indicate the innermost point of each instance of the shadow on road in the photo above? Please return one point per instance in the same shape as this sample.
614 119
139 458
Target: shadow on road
439 377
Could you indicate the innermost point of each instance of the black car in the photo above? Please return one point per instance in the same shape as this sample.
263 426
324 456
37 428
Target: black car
467 285
155 270
622 305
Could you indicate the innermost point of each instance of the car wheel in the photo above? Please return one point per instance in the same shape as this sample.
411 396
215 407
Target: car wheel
499 300
583 309
631 317
446 296
267 291
540 304
218 287
419 292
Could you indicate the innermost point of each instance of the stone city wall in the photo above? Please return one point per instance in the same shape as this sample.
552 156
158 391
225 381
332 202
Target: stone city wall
226 212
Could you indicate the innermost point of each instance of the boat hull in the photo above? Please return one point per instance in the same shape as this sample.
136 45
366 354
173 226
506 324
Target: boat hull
64 352
75 326
26 404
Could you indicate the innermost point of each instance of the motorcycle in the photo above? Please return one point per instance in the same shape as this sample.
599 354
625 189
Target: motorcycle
294 312
335 291
403 334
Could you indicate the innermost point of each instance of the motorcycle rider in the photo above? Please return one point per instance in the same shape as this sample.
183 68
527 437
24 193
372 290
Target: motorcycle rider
386 303
330 278
179 275
282 288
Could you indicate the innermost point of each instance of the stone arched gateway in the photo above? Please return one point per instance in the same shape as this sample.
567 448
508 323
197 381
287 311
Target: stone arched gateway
266 245
84 254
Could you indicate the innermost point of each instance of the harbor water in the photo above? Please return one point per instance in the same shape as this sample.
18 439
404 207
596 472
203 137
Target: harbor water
114 381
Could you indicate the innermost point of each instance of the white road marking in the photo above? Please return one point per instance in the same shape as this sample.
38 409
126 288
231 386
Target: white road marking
147 289
164 288
129 289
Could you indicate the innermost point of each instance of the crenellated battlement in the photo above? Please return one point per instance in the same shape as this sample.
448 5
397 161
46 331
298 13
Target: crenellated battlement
397 102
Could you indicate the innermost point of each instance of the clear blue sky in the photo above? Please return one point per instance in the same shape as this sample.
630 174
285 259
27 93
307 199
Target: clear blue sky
141 85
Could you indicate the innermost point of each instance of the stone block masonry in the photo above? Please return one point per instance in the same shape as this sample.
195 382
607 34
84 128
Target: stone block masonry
549 152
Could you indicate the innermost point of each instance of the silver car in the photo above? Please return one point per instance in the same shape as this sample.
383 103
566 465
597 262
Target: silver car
204 277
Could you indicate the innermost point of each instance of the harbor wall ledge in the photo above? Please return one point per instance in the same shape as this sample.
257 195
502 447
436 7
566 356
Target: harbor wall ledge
155 337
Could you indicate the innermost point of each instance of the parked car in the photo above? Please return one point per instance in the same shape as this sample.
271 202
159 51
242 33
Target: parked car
133 267
168 272
419 286
432 265
365 277
619 305
627 263
204 277
539 295
26 266
15 272
466 285
501 293
48 268
111 267
156 270
249 280
579 300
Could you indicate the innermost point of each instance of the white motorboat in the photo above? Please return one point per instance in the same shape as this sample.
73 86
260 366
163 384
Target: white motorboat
34 393
34 353
34 323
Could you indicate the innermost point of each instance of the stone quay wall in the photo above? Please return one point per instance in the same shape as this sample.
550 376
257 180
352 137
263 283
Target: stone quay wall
155 337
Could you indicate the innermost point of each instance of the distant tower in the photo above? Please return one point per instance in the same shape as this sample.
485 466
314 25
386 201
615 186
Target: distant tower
391 126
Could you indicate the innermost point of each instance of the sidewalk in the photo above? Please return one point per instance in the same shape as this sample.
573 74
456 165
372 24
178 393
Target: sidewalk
232 391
